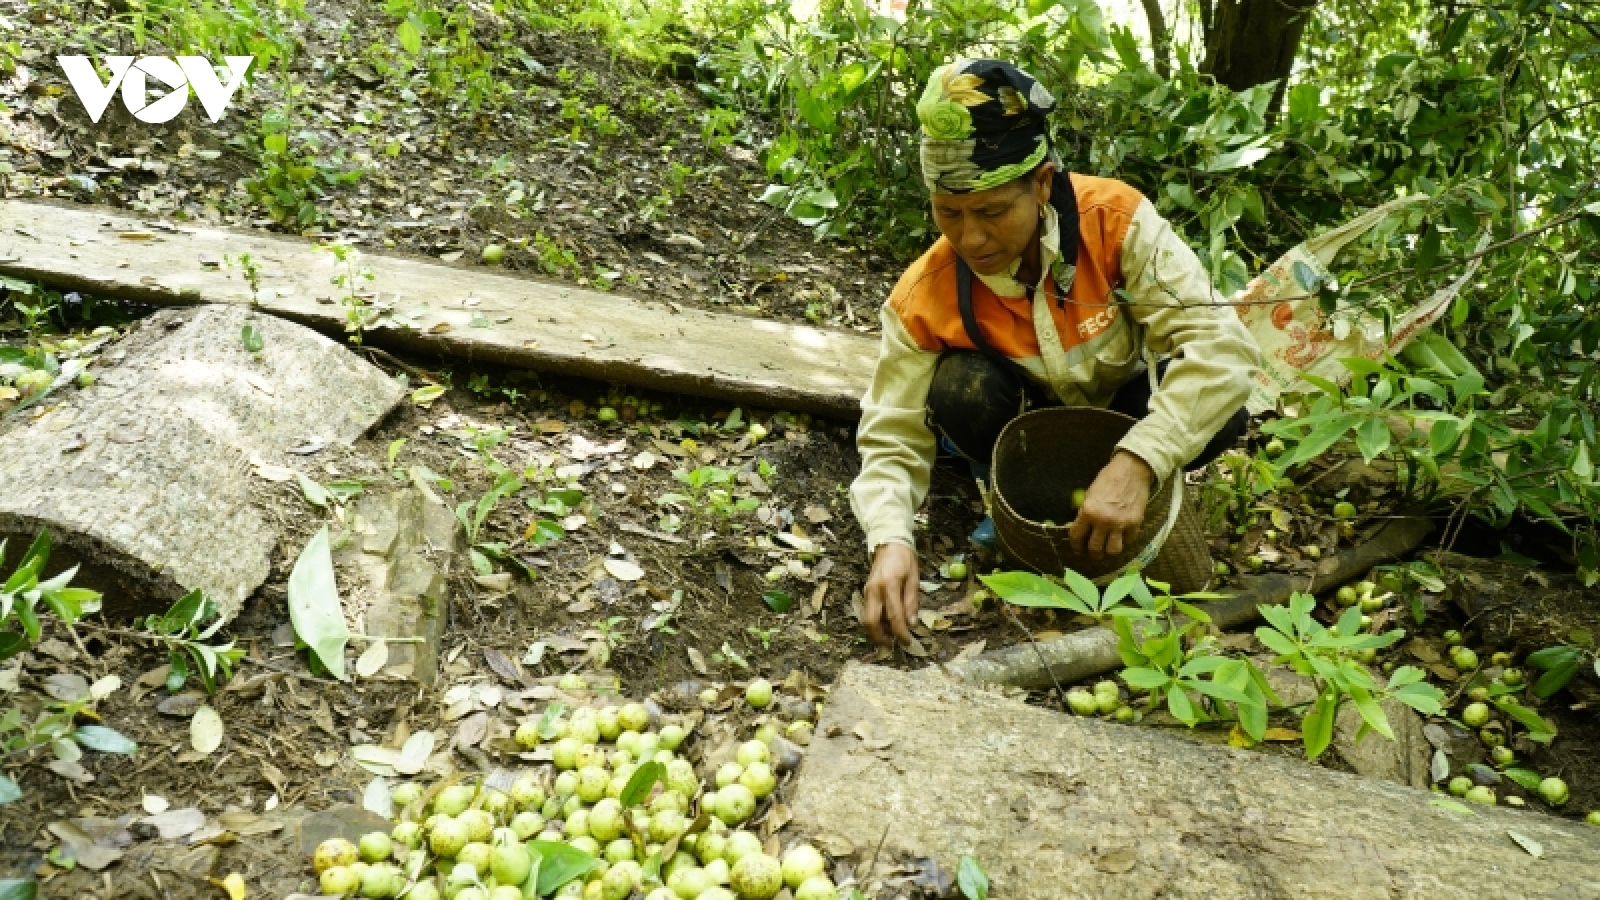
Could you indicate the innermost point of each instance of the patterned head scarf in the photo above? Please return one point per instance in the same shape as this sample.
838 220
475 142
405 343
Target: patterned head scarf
983 124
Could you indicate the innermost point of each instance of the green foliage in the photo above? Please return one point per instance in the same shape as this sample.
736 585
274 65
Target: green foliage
971 879
1328 656
25 594
1557 666
709 498
358 315
185 628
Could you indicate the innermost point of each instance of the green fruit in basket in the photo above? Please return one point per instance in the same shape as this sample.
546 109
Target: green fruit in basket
1078 496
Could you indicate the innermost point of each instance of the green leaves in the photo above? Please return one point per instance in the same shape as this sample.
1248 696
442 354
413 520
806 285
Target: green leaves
18 889
638 787
559 863
105 740
9 791
1316 728
777 601
1558 665
971 879
314 607
250 338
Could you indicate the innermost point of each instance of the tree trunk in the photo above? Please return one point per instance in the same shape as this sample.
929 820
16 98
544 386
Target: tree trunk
1160 38
910 765
145 477
1251 42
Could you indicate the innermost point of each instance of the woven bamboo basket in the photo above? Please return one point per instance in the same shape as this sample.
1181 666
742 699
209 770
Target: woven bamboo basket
1041 457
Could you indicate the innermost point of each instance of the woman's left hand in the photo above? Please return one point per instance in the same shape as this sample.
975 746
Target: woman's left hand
1113 508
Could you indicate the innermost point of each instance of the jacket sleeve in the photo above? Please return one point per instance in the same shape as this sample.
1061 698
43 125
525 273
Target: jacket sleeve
894 440
1213 354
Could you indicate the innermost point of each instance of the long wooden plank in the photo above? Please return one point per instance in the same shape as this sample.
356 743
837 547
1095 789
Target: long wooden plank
432 307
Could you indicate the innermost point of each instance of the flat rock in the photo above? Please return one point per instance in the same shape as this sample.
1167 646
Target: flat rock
1404 760
347 821
1055 806
144 478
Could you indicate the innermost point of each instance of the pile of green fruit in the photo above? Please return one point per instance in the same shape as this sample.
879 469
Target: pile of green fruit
1105 700
618 813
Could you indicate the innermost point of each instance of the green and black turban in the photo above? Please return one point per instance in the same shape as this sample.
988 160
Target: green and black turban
983 124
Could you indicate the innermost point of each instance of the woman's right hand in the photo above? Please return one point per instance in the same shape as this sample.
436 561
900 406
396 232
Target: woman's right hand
892 594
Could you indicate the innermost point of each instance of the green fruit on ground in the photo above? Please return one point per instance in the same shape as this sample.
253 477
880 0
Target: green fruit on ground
1220 568
758 693
1502 756
710 845
1344 509
404 794
758 777
454 800
475 854
592 781
1500 658
333 852
735 803
1475 714
375 847
1459 785
662 893
527 792
1082 702
1311 551
424 890
802 862
382 881
1491 737
576 824
84 379
619 880
32 382
620 849
1512 677
718 893
527 735
1481 794
565 753
1347 596
605 414
1593 818
1554 791
819 887
493 254
681 777
753 752
717 870
407 834
1254 562
634 717
1106 686
480 825
689 884
1371 604
757 431
526 824
472 892
1123 714
666 825
1365 588
587 844
1106 704
1391 582
505 892
1452 637
509 862
572 681
756 877
727 774
339 881
1478 693
1275 448
955 571
1464 658
606 822
740 844
672 737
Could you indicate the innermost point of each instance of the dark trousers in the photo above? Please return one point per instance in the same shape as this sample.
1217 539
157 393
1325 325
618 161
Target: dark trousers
972 398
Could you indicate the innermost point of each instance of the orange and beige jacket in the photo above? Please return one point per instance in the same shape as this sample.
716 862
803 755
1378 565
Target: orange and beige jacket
1093 343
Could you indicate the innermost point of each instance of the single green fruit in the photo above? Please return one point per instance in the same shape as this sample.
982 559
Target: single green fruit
955 571
572 681
1367 655
1078 496
1123 714
407 834
1452 637
447 837
1593 818
527 792
454 800
619 850
753 751
1491 737
84 379
756 877
669 823
404 794
382 881
672 737
375 847
333 852
1311 551
605 414
1500 658
735 803
339 881
1502 756
1512 677
758 777
1371 604
510 862
1220 568
802 863
1347 596
759 693
1344 509
689 883
475 854
480 825
634 717
526 824
756 432
1106 704
1553 791
493 254
727 774
819 887
1460 784
1254 563
740 844
1275 448
592 781
505 892
1476 714
1478 693
1481 794
424 890
1464 658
